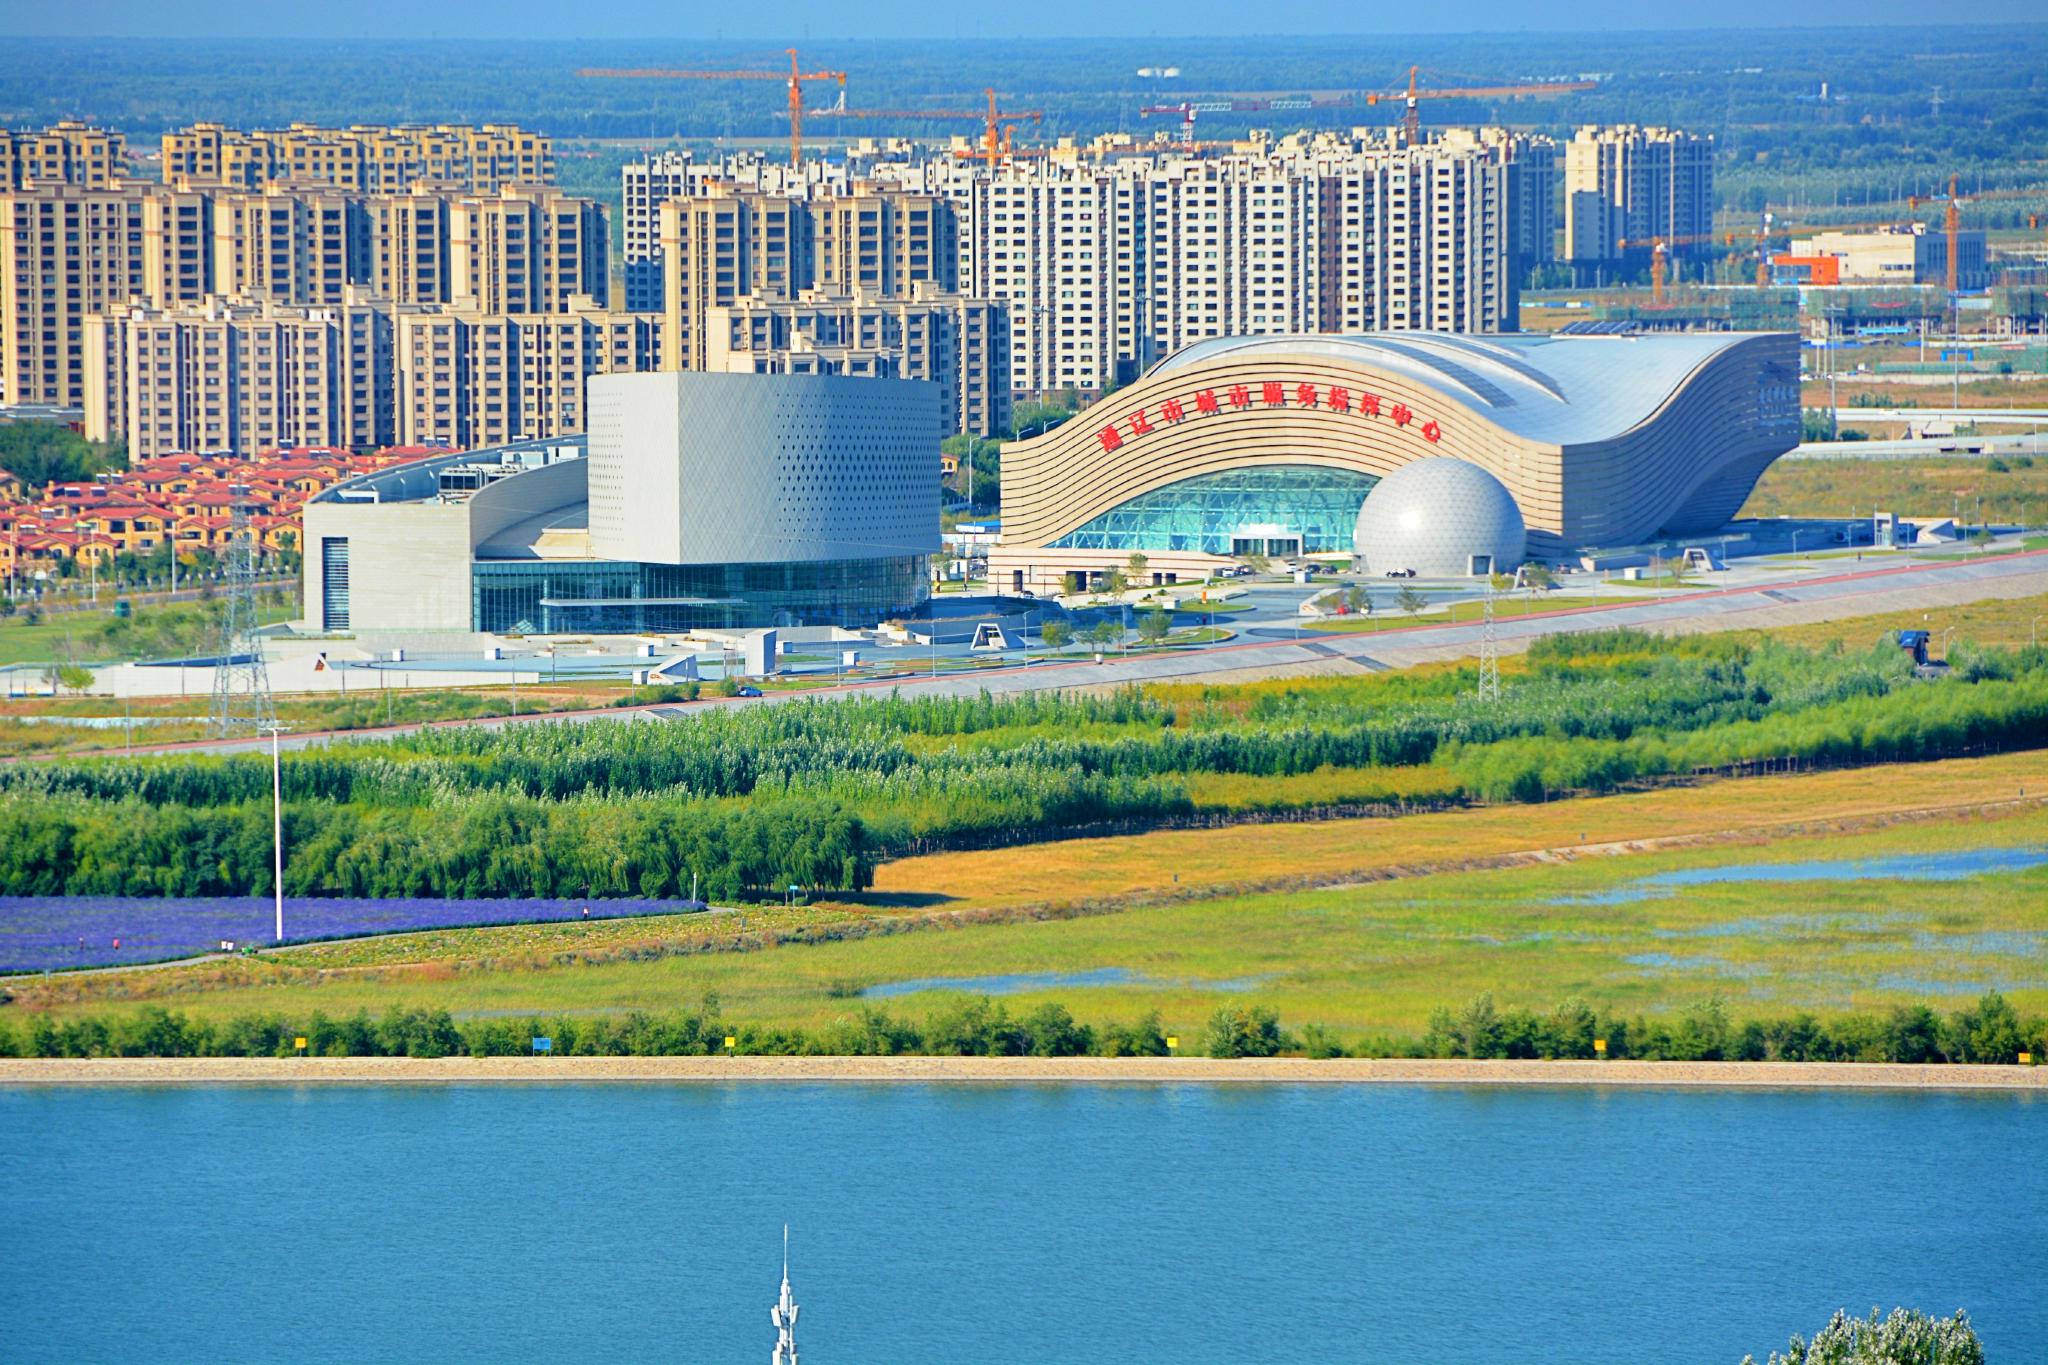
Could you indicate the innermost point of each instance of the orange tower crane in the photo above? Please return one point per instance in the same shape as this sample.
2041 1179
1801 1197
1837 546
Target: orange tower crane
1658 263
1411 114
796 78
994 140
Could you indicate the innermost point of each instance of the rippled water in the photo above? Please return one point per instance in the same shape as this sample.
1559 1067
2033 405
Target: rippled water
1016 983
1006 1223
1912 867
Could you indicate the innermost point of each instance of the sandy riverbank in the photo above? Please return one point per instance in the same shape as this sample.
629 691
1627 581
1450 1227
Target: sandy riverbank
1013 1070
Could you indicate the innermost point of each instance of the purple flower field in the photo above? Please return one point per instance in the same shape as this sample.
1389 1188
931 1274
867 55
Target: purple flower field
45 933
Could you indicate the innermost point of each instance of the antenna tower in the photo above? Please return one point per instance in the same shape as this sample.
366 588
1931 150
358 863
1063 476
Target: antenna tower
784 1313
242 704
1489 651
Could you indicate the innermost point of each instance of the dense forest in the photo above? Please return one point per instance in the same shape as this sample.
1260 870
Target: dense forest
747 801
1882 132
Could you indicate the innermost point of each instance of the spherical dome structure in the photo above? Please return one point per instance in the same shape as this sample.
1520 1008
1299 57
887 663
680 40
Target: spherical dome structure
1434 516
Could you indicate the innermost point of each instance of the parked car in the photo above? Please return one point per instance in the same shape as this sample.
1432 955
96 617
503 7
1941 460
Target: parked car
1400 573
748 692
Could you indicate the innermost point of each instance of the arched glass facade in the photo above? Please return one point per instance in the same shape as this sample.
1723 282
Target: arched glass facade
528 597
1216 513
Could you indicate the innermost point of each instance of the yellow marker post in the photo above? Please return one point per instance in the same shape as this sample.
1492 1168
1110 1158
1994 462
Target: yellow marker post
731 1042
1600 1048
2026 1059
299 1043
1172 1041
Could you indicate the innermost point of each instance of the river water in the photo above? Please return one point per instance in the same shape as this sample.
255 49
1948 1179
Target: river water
1006 1223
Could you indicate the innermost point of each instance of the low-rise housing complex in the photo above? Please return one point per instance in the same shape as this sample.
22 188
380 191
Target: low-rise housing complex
185 501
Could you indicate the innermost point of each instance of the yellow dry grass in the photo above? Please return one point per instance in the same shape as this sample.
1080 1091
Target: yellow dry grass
1075 869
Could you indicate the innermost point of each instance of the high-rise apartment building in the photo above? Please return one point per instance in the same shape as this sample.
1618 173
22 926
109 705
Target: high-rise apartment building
1109 264
1627 187
70 251
959 343
526 250
409 246
236 378
365 159
288 245
468 378
647 185
1533 205
232 377
721 246
69 153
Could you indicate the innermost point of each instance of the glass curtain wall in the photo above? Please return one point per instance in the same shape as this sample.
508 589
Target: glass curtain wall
1211 513
555 598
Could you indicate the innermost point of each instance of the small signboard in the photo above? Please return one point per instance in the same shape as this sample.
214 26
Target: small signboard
730 1042
1600 1047
299 1043
541 1045
1172 1041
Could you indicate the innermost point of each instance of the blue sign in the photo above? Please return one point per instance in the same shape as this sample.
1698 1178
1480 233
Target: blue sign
543 1045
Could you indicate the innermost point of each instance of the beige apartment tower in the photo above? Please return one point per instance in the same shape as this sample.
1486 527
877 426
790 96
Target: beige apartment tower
68 153
1627 187
364 159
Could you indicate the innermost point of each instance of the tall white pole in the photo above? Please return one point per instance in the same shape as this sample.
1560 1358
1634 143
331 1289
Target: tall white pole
277 829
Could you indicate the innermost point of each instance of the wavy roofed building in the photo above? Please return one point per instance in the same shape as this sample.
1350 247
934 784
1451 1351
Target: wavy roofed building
1271 445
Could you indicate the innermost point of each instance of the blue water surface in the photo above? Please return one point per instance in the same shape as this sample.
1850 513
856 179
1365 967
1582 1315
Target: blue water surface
1909 867
1016 983
1006 1223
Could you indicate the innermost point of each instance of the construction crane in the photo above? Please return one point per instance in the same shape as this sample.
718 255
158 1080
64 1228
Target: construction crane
1658 256
995 142
796 78
1186 113
1411 119
1411 115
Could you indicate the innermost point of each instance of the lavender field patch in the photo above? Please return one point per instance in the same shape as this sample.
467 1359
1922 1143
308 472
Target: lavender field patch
51 933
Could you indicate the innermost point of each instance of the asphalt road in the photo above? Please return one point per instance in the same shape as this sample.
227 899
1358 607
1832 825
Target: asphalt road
1822 596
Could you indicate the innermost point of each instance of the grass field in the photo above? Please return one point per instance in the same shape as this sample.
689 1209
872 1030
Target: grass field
167 720
2007 621
1911 488
83 635
1506 604
1372 957
1430 909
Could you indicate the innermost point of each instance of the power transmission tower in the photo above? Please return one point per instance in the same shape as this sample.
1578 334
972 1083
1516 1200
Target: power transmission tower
242 704
1489 651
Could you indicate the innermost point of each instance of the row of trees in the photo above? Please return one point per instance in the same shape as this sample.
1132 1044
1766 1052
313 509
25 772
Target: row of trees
465 847
812 794
1988 1032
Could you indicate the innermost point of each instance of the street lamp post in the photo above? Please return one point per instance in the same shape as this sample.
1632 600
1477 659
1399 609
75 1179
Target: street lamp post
277 827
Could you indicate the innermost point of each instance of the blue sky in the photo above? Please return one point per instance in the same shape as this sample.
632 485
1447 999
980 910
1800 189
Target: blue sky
797 19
